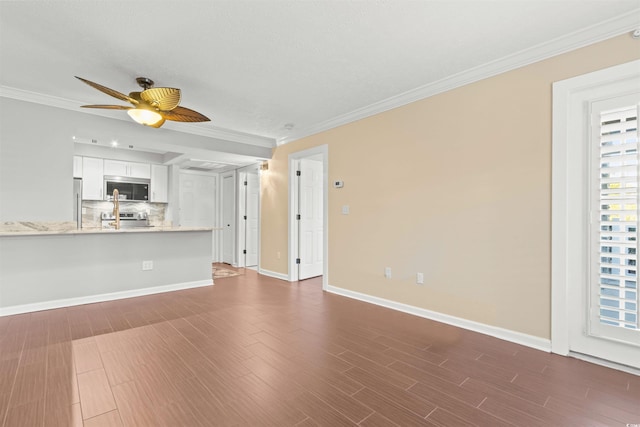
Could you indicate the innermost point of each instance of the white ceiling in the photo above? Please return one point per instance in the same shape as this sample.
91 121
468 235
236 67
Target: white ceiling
255 66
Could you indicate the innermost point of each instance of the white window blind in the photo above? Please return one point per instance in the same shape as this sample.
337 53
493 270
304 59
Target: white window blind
618 218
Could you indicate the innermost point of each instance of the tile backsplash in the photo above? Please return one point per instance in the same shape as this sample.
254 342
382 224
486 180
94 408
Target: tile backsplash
92 210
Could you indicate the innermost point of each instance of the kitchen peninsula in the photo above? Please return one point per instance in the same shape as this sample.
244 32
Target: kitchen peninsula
50 265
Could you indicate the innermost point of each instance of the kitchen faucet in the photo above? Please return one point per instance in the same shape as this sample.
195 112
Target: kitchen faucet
116 209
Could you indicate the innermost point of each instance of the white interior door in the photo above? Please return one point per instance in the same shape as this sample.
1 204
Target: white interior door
253 219
228 218
310 223
198 202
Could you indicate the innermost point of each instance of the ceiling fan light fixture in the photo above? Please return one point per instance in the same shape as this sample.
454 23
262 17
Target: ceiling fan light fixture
144 116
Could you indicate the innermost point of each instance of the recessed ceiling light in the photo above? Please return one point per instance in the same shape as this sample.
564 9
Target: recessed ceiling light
114 143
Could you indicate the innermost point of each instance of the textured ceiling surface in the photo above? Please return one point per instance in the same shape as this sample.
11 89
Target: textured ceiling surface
256 66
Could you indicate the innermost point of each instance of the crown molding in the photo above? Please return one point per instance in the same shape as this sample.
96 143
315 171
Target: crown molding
191 128
578 39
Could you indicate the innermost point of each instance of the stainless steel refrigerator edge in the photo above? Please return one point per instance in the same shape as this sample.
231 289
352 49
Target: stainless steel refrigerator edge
77 201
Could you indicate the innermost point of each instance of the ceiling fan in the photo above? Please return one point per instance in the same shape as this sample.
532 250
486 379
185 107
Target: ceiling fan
152 106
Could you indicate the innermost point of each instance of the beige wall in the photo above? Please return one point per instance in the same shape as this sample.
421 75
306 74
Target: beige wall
457 186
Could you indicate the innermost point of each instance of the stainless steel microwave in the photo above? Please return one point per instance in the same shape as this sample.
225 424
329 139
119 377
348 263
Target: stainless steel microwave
129 189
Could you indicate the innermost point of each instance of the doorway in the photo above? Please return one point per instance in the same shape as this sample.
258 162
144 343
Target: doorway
595 217
308 214
248 217
197 199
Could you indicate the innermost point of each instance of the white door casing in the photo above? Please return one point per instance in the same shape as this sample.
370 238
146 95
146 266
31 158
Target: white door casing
323 152
574 330
252 213
228 218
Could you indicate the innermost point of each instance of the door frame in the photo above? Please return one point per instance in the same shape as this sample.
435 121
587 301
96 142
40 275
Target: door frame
571 123
241 174
323 150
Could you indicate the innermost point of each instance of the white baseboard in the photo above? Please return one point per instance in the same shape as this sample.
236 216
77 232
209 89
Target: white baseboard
494 331
273 274
69 302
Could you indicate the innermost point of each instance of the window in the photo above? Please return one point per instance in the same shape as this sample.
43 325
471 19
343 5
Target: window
617 226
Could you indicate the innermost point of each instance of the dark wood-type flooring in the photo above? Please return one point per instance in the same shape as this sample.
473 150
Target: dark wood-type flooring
256 351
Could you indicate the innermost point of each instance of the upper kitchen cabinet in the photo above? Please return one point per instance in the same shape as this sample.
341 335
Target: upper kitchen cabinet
77 166
92 178
127 169
159 184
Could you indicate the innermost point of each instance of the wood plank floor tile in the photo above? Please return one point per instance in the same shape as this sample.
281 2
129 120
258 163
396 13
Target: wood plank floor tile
58 332
392 410
35 349
29 384
504 411
588 415
320 412
396 346
392 377
453 404
27 415
65 416
307 422
108 419
426 372
535 396
8 370
332 396
401 397
61 386
377 420
309 378
11 345
445 418
119 367
521 403
475 368
133 406
59 354
4 405
622 401
95 393
86 355
553 388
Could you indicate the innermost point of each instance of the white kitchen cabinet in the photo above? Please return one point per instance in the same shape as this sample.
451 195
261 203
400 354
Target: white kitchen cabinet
159 184
127 169
139 170
77 166
92 178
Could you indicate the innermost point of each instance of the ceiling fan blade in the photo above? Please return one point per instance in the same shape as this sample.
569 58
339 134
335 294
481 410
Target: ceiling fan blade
162 98
181 114
108 91
108 107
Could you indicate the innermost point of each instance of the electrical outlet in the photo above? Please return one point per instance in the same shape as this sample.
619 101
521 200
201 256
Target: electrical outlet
278 254
387 272
147 265
420 278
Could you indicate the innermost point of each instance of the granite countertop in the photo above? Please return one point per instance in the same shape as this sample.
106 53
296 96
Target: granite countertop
61 228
